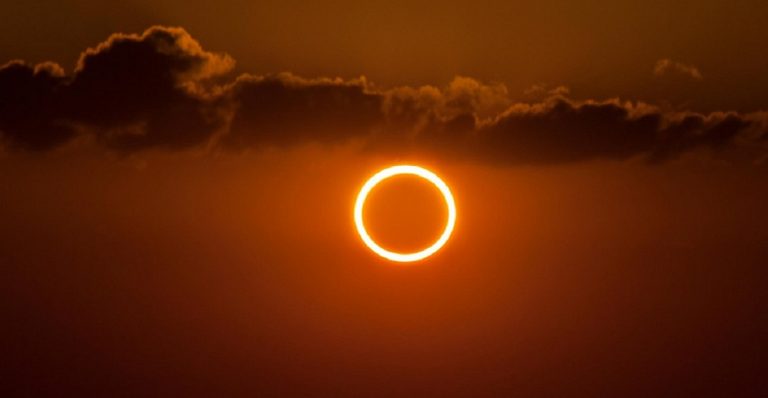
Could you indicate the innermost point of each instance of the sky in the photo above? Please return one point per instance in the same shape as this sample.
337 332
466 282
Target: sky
177 182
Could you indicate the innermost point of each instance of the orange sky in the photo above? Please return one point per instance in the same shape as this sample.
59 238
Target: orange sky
243 275
598 48
176 216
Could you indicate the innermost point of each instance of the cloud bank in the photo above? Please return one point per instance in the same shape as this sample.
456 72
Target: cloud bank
162 90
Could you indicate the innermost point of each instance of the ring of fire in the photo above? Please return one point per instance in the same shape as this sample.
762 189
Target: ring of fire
405 170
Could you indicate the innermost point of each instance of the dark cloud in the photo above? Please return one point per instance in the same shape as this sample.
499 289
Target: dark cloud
160 89
144 91
284 109
132 92
562 130
31 106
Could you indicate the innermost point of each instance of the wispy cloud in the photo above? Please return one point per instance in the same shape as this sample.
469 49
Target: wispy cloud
667 66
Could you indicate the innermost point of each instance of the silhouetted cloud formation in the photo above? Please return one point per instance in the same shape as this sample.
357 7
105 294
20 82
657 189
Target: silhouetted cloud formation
285 109
31 114
160 89
131 92
560 130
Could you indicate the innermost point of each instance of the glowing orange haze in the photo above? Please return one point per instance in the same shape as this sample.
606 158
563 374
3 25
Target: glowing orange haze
232 268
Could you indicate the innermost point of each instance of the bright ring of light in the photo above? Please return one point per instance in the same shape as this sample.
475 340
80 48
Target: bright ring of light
405 170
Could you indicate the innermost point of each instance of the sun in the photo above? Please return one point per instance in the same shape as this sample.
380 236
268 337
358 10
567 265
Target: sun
405 170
